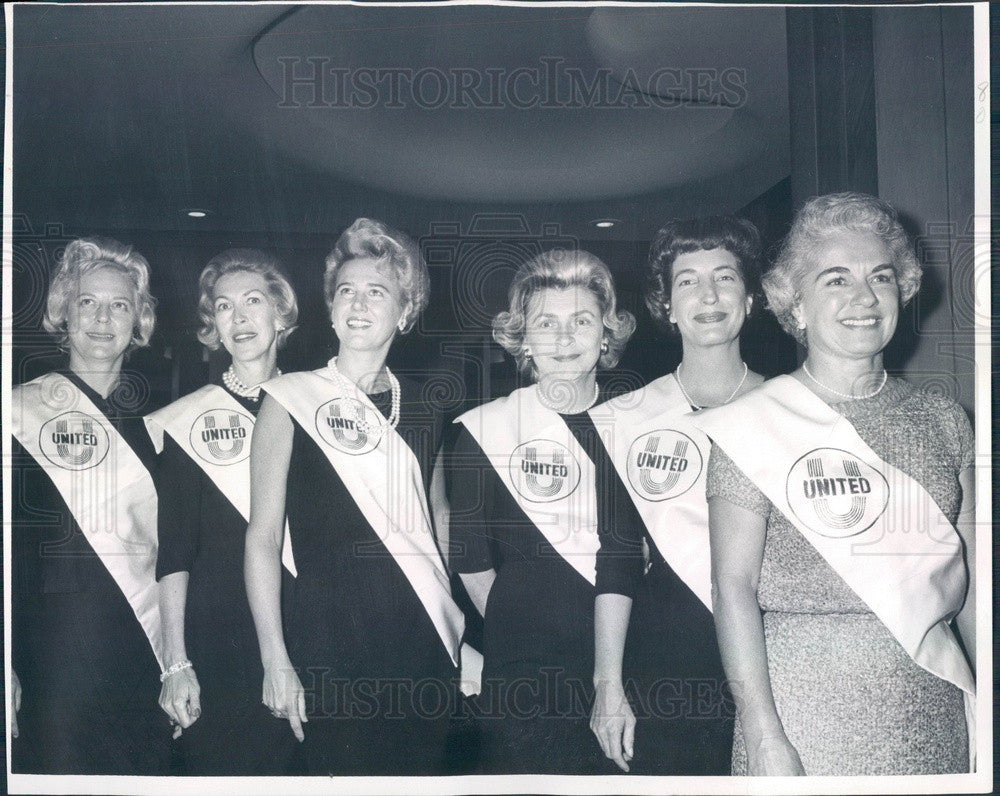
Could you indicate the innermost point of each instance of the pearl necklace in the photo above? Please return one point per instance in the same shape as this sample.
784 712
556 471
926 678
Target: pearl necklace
237 387
696 407
347 387
885 378
549 405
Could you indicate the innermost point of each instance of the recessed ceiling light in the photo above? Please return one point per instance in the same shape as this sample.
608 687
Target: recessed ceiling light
195 213
605 223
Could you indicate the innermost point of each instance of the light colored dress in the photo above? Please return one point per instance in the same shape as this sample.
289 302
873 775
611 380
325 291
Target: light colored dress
850 698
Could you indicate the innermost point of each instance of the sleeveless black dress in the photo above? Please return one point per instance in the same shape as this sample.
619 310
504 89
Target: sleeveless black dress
379 683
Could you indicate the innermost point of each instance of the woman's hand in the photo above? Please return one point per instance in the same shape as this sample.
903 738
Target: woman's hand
15 703
180 698
774 756
285 697
613 722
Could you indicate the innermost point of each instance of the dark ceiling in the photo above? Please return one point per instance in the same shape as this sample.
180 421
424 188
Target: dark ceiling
512 122
126 115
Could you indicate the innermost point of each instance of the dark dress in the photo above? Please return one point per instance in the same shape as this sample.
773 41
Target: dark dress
673 673
538 636
379 683
89 678
202 533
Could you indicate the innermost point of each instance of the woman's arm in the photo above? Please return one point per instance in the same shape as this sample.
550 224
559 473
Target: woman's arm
612 719
478 585
737 540
440 509
966 526
180 694
270 457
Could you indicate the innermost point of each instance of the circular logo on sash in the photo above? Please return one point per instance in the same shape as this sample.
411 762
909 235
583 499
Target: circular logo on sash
336 423
222 436
835 494
663 464
74 441
544 471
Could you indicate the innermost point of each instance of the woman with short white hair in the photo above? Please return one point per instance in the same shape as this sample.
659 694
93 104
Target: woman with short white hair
840 504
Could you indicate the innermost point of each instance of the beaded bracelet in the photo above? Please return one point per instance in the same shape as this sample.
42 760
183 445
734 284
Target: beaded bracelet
177 667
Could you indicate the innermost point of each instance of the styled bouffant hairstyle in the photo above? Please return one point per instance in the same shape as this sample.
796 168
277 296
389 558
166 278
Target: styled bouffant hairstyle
90 254
561 269
253 261
821 218
367 237
682 236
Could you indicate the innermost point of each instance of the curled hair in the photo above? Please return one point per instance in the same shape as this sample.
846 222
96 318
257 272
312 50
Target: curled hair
84 255
820 219
562 269
367 237
681 236
253 261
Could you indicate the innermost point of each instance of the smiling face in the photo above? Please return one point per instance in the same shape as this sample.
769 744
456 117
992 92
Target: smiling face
849 298
245 315
708 297
563 332
367 305
100 319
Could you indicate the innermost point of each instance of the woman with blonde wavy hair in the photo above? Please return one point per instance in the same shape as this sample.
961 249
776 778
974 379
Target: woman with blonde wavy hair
246 306
533 490
86 644
363 667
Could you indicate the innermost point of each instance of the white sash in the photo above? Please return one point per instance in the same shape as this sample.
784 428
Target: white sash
213 429
105 485
546 471
877 527
663 457
383 477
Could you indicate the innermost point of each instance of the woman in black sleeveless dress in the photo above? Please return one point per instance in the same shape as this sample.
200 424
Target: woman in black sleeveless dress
359 670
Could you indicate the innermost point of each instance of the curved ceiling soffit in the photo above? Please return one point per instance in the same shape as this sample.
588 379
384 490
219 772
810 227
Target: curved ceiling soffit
675 135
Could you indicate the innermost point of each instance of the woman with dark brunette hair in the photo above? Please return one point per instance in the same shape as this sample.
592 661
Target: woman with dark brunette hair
660 650
247 306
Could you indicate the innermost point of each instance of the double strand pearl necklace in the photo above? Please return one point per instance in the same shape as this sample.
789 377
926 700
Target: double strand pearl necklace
549 405
696 407
348 387
237 387
872 394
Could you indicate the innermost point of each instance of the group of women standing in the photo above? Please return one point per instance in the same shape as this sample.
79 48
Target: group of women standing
710 575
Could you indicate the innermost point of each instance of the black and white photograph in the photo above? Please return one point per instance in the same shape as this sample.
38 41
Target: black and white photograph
623 381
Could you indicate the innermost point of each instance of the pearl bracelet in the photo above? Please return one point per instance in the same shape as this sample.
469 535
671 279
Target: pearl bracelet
177 667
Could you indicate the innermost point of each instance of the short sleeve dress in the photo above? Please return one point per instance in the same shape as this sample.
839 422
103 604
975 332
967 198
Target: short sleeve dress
89 678
538 633
203 534
380 685
850 698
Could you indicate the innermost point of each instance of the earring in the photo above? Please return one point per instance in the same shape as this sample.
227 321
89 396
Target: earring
527 353
401 324
604 346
